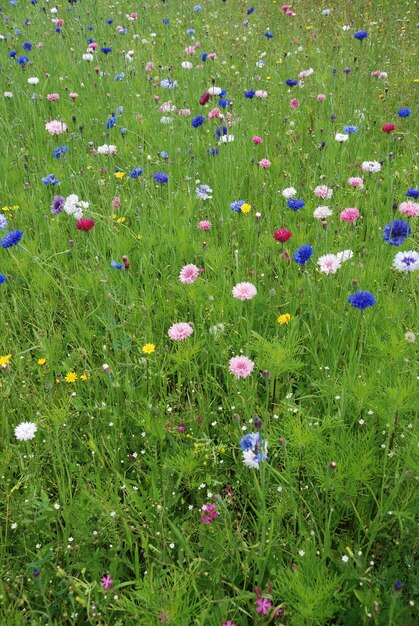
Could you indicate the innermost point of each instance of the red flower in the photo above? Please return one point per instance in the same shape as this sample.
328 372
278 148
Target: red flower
204 98
85 223
387 128
282 235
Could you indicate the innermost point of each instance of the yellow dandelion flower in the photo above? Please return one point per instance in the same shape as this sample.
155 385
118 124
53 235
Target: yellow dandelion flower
139 236
42 361
148 348
85 376
119 175
113 216
245 208
284 319
121 220
71 377
5 359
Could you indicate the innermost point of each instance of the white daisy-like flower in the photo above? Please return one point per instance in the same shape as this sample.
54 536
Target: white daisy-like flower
214 91
289 192
25 431
322 212
345 255
406 261
106 149
371 166
341 137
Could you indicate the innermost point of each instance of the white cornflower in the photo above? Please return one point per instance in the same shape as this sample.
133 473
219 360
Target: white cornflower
25 431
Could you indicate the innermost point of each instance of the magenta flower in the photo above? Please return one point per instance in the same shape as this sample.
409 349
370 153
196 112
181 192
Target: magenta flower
228 623
204 225
349 215
263 606
294 104
209 513
106 582
189 274
241 366
265 163
244 291
180 331
321 97
257 139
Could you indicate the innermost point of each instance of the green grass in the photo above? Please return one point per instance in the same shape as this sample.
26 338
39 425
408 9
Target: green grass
123 461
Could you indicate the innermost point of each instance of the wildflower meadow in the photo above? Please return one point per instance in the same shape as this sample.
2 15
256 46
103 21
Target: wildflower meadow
208 288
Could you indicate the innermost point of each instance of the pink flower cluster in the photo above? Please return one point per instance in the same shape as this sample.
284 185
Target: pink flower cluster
409 209
210 513
188 274
180 331
241 366
323 191
349 215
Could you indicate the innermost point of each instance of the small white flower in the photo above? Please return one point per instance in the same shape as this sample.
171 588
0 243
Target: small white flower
57 506
345 558
301 552
289 192
341 137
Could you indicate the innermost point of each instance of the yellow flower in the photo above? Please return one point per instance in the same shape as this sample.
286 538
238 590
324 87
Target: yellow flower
245 208
139 236
42 361
284 319
5 359
121 220
119 175
149 348
71 377
85 376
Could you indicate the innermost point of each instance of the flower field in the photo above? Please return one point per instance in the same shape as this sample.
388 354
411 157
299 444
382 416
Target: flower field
209 305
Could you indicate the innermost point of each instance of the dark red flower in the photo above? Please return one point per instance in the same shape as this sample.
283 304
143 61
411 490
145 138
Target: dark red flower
204 98
85 223
282 235
387 128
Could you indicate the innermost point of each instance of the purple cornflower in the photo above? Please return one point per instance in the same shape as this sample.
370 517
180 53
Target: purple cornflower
57 204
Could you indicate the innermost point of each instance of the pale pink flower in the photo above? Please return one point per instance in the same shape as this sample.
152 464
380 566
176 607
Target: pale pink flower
241 366
180 331
265 163
257 139
184 112
106 149
212 55
190 50
167 107
383 75
294 104
197 45
323 191
25 431
261 94
92 46
149 66
322 212
116 202
73 95
356 181
204 225
55 127
214 113
59 23
244 291
409 208
349 215
375 73
329 263
133 16
321 97
189 274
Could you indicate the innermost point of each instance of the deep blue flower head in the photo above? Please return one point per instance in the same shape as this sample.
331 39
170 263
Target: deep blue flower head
90 28
291 82
249 93
27 46
119 76
91 40
164 155
350 129
165 20
12 54
111 122
249 441
110 21
347 70
361 300
50 180
237 205
117 266
59 152
161 177
396 232
249 11
106 50
303 254
412 193
204 56
2 279
220 131
223 92
135 173
404 112
197 8
361 34
11 239
3 221
295 204
268 35
23 60
223 103
334 70
190 31
198 121
58 29
213 152
57 204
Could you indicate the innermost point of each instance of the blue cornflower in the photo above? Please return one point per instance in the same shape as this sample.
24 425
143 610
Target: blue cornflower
168 84
2 279
23 60
237 205
57 204
3 222
303 254
223 92
161 177
90 40
249 11
291 82
58 29
117 266
295 204
412 193
326 11
347 70
164 155
220 131
190 31
197 8
396 232
111 122
135 173
213 152
246 23
110 21
249 93
123 131
203 192
12 54
165 20
249 441
361 34
119 76
106 50
361 299
198 121
59 152
50 180
204 56
268 35
11 239
223 103
350 129
27 46
404 112
89 27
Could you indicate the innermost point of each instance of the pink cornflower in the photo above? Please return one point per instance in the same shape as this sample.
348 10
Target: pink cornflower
323 191
163 617
263 606
409 208
228 623
93 46
261 94
116 202
73 95
106 582
329 263
55 127
257 139
214 113
349 215
59 23
356 181
180 331
212 55
149 66
321 97
241 366
190 50
265 163
294 104
244 291
184 112
188 274
210 513
204 225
